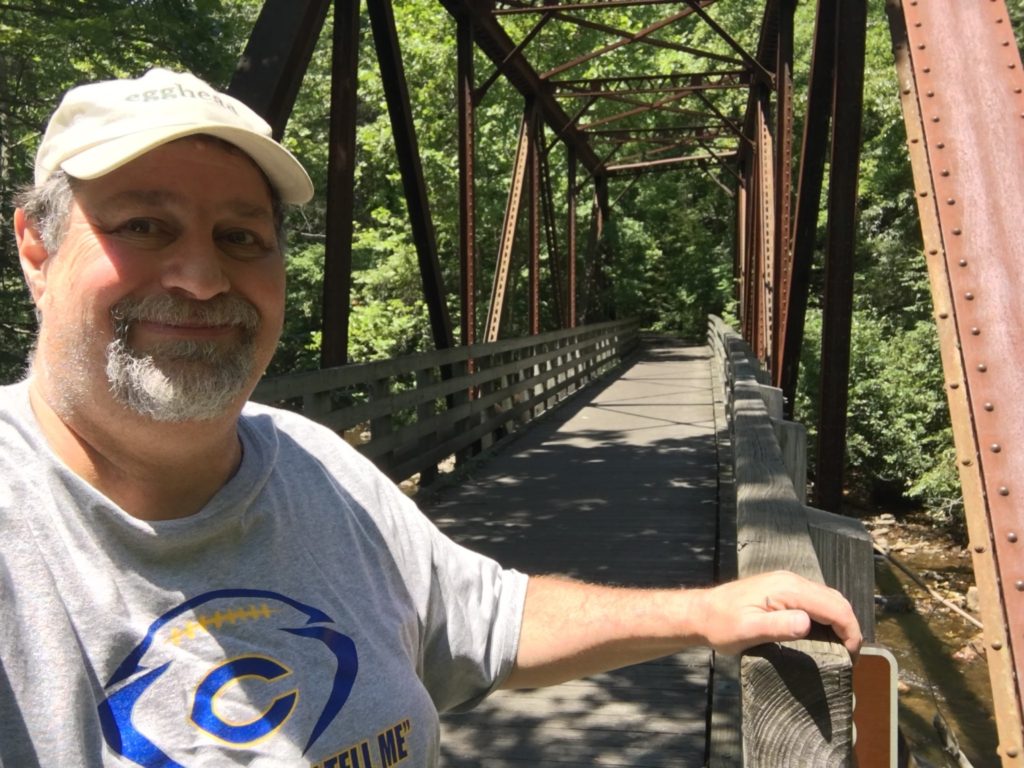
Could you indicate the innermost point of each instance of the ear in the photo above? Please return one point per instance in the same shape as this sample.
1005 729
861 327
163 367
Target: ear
32 253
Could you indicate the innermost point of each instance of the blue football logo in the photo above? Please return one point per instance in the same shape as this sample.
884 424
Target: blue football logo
222 657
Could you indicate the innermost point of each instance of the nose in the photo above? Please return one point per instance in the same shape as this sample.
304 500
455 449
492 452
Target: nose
195 270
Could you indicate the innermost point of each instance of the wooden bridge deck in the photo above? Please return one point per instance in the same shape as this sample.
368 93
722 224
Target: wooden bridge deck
618 486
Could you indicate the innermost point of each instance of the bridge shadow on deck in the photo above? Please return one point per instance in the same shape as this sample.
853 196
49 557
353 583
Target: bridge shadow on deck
618 486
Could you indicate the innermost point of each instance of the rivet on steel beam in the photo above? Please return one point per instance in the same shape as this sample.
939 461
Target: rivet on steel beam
982 367
1012 752
943 315
969 296
945 172
997 646
950 201
941 145
957 231
1011 66
935 119
914 140
1018 90
962 262
966 462
933 251
906 91
1011 537
954 385
980 549
920 46
917 23
975 331
989 407
930 94
1004 491
995 448
923 193
926 70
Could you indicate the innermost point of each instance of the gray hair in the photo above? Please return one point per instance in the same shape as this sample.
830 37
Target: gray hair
48 207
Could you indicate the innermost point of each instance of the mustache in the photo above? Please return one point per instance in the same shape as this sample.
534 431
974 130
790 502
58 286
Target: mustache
175 310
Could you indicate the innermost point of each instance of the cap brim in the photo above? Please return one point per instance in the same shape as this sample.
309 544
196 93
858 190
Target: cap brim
283 170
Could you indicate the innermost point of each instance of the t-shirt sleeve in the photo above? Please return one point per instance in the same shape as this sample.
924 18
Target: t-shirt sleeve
472 624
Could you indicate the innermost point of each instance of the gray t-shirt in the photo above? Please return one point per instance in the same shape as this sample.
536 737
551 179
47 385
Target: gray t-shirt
309 614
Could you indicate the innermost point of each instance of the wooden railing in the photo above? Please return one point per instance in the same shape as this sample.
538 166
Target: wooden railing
408 414
795 698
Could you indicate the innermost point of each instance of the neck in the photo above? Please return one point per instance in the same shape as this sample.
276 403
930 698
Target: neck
153 470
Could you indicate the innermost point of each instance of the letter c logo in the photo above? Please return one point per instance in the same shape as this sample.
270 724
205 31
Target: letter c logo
204 708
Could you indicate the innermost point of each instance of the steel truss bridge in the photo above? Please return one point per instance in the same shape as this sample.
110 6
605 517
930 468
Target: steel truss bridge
961 84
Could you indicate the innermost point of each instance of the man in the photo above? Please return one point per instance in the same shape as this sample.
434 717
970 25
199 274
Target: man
189 579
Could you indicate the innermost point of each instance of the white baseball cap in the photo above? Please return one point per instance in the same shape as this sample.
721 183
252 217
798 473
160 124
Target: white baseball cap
101 126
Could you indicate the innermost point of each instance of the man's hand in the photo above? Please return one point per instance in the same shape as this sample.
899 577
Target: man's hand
572 630
774 607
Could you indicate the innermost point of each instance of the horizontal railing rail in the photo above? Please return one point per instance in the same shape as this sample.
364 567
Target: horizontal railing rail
408 414
795 697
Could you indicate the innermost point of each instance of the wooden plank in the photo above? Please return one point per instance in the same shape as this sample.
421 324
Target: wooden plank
846 554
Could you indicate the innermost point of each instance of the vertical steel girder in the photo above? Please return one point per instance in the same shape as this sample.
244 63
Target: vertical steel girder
534 146
812 172
396 91
551 237
467 174
341 162
270 71
571 240
841 238
961 81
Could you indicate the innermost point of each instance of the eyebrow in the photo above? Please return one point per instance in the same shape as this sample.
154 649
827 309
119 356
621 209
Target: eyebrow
156 197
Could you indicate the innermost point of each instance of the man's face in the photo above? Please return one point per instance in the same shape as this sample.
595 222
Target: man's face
168 291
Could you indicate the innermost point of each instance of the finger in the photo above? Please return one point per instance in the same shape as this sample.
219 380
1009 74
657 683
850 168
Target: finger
825 606
779 626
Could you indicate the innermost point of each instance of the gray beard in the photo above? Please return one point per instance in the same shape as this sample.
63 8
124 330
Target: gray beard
181 381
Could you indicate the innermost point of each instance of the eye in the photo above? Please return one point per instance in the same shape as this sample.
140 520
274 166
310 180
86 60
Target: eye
143 231
244 244
139 227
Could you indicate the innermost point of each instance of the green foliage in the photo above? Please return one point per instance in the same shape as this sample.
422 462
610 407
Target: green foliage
899 440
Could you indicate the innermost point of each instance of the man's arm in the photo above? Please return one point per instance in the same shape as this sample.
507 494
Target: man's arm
571 629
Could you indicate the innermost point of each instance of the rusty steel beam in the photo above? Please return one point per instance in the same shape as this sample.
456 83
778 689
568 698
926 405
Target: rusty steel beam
630 38
766 223
694 81
644 40
502 269
534 144
808 204
467 173
341 163
657 165
517 51
551 239
961 82
782 270
396 92
270 70
517 8
499 48
841 239
570 235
